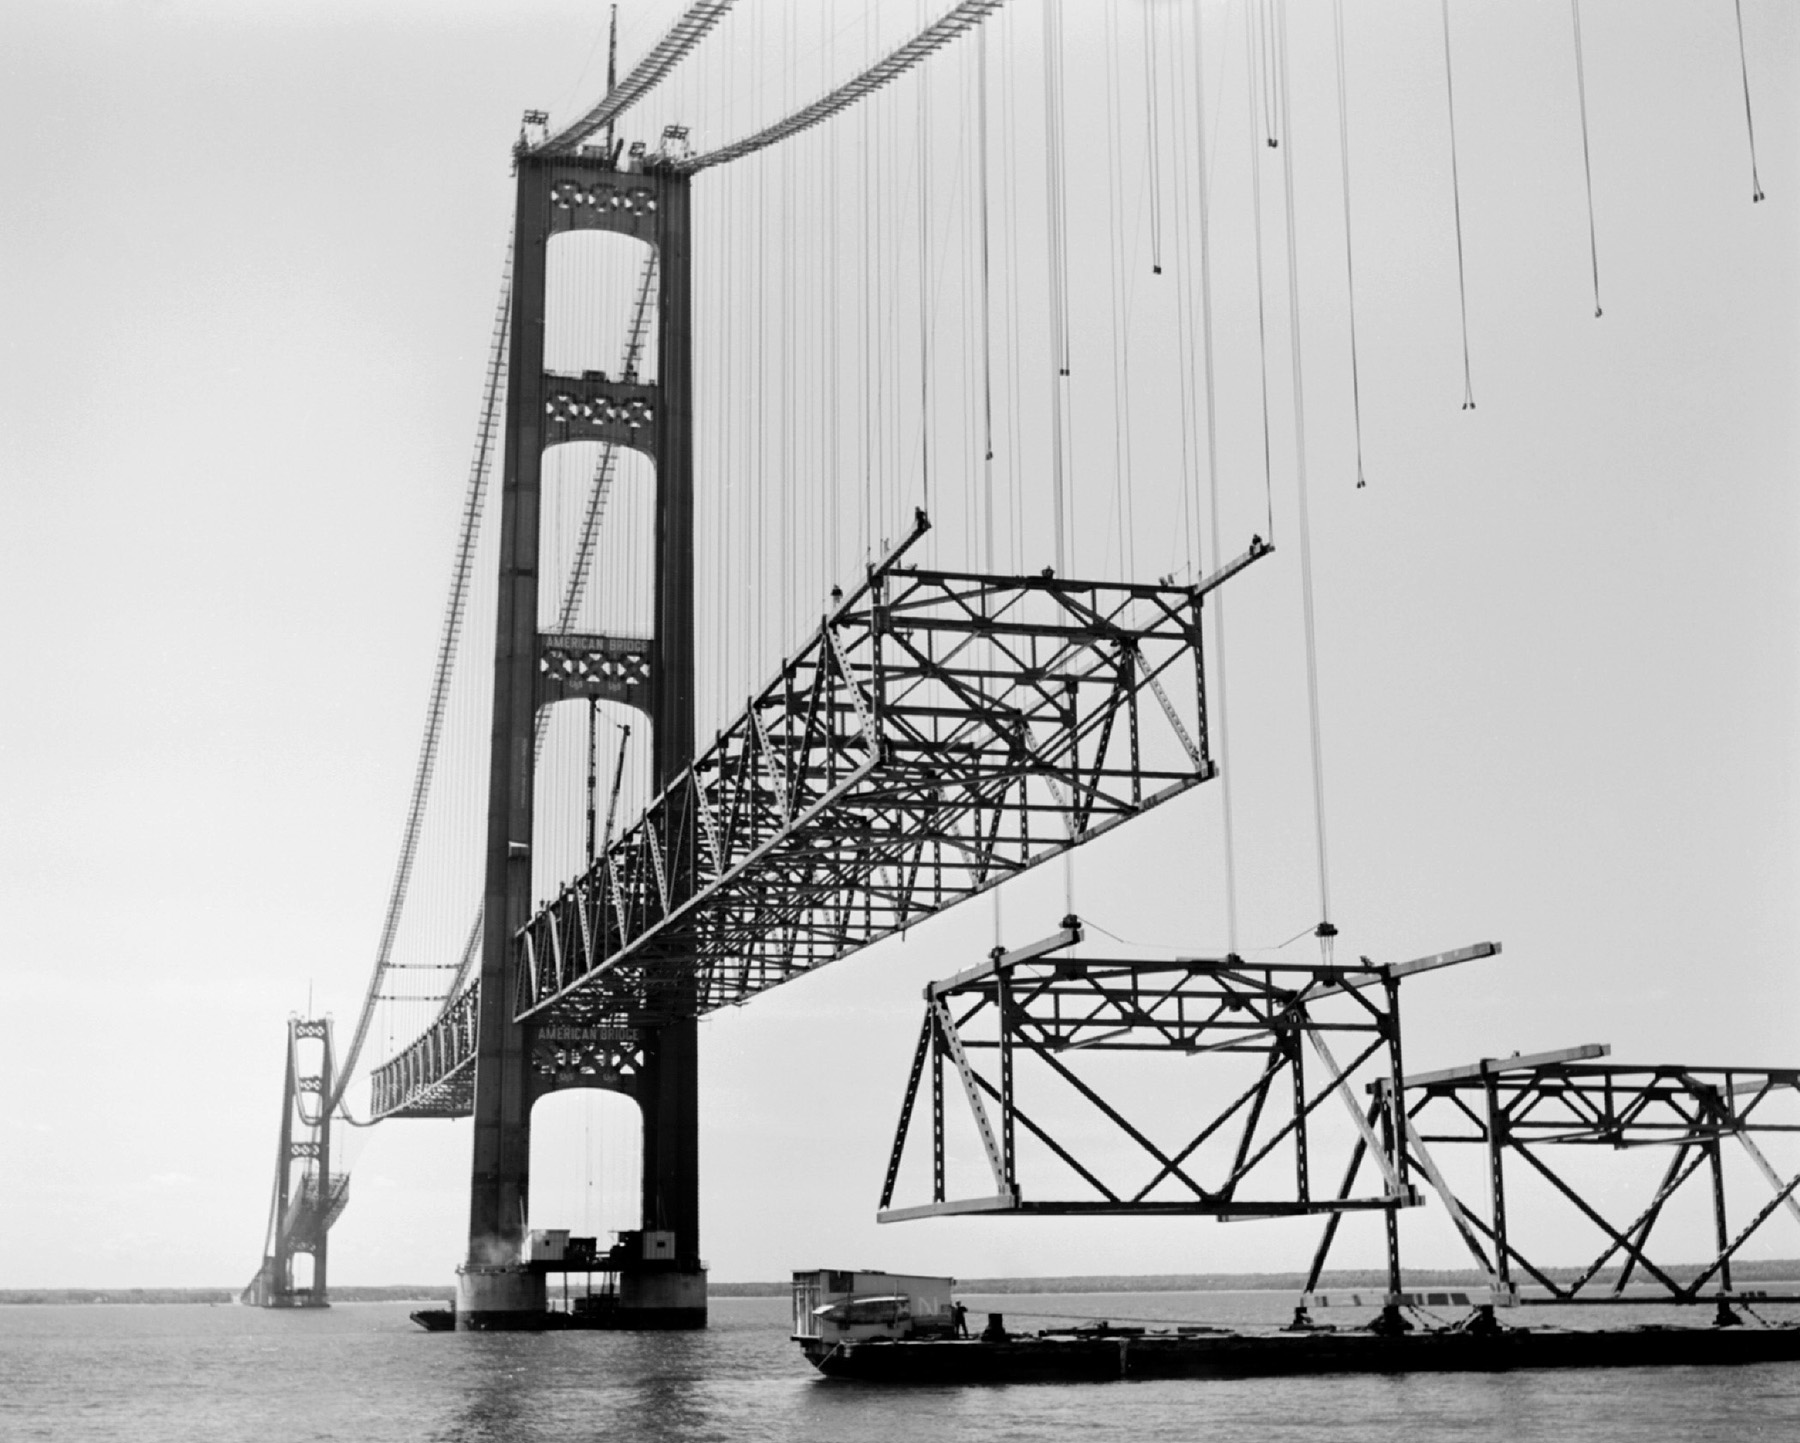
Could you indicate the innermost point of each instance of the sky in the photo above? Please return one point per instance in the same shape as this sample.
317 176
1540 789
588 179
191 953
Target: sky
247 266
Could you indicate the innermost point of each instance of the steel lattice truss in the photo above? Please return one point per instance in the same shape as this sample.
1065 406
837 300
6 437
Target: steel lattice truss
940 733
1032 1016
435 1075
1513 1108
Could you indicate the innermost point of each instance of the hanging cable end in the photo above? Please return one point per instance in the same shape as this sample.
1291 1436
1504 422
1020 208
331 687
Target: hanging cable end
1598 313
1362 484
1156 270
1757 196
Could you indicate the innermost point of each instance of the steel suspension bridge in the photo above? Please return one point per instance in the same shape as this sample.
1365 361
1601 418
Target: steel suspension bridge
812 523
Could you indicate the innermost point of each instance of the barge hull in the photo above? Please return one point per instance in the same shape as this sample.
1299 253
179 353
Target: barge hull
1249 1355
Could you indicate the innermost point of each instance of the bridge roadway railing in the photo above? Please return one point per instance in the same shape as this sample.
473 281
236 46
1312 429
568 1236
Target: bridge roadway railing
941 732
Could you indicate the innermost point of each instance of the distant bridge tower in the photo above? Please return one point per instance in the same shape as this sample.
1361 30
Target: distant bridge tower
302 1210
656 1061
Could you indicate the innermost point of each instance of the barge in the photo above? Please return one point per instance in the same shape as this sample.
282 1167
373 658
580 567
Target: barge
887 1328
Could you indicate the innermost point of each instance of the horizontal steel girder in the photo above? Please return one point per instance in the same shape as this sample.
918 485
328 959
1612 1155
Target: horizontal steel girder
1610 1104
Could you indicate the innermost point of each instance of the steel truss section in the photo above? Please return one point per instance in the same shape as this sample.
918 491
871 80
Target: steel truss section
1037 1009
1515 1108
940 733
435 1075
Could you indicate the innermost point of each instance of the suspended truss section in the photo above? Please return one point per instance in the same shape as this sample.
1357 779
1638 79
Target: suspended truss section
942 731
434 1076
1027 1024
1514 1109
319 1201
680 38
957 21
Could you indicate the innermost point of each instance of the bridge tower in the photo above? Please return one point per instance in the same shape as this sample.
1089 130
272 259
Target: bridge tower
560 192
300 1216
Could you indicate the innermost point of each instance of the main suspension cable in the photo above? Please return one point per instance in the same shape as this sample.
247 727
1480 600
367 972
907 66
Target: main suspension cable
958 20
449 637
689 29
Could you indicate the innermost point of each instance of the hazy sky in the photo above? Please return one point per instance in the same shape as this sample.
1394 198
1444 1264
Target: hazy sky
247 256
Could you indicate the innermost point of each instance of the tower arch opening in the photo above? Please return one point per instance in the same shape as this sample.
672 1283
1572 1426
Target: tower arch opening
600 306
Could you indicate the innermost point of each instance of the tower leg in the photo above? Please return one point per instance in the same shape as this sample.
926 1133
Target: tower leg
667 1289
491 1287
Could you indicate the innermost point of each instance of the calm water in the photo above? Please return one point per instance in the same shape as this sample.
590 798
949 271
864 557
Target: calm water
146 1374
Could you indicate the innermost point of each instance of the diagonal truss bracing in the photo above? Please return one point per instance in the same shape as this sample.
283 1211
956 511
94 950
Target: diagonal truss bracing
941 732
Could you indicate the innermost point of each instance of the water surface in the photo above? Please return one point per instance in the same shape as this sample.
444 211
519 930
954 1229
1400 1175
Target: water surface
159 1373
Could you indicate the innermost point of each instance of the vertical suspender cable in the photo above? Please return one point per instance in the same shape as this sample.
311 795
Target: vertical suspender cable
1120 291
987 367
1261 26
1185 290
1212 482
987 362
1343 100
1306 577
1059 294
830 318
1587 168
1462 290
1059 321
923 161
1009 211
1756 190
1151 107
868 328
1255 77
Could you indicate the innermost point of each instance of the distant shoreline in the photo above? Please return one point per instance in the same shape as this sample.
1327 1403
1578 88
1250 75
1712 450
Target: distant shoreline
1783 1270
